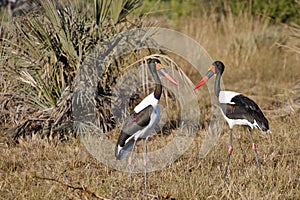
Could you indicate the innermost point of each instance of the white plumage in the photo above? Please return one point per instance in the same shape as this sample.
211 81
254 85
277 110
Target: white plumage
148 100
226 96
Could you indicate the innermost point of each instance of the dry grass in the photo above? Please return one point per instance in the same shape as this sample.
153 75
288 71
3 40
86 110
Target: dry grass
38 169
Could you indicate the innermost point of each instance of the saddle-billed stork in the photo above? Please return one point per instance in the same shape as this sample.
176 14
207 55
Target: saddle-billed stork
237 109
142 121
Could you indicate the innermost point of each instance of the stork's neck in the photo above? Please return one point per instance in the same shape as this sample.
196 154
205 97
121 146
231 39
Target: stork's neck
158 86
217 85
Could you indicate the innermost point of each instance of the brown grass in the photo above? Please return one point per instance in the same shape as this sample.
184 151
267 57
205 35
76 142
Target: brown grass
255 65
36 168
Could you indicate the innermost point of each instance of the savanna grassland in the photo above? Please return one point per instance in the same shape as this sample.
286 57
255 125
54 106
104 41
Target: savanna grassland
262 61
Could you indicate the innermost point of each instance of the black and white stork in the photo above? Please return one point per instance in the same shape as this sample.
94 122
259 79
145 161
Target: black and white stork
142 121
237 109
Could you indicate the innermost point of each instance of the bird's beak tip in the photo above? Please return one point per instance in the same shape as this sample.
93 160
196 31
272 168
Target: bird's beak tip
203 80
175 83
171 79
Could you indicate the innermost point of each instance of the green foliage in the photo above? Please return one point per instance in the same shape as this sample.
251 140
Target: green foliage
279 10
171 8
120 9
101 11
116 10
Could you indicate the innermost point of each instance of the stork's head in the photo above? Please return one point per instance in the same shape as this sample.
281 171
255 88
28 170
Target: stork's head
217 68
156 66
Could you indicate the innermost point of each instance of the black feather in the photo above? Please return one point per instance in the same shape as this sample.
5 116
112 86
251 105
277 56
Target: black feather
135 122
245 108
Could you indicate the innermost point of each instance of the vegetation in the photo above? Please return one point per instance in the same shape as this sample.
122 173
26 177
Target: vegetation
279 11
41 52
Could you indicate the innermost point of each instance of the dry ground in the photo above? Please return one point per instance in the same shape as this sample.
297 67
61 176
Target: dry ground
255 65
37 169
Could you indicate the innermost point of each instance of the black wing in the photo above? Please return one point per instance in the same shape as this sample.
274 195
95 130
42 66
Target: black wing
245 108
135 122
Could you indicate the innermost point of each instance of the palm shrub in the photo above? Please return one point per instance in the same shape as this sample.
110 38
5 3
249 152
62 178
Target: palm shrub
41 54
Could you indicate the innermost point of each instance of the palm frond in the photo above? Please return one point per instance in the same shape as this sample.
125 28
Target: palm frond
101 9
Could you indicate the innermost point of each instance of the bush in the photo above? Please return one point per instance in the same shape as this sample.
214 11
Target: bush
41 54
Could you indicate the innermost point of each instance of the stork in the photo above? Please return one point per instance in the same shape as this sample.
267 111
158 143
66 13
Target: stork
236 109
142 121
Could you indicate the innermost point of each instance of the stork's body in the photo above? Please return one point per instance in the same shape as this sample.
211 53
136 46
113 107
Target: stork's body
236 109
143 119
139 125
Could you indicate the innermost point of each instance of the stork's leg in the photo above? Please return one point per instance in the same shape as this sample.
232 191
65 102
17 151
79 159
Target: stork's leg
130 162
254 150
229 153
145 162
